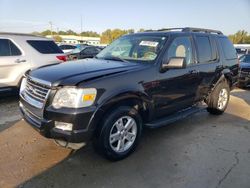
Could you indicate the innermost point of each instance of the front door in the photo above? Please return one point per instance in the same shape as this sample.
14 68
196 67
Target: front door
10 61
177 87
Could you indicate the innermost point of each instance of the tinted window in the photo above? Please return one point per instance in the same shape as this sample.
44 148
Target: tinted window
245 59
97 50
67 47
7 48
14 50
204 49
241 51
62 47
228 48
181 47
88 51
45 46
4 47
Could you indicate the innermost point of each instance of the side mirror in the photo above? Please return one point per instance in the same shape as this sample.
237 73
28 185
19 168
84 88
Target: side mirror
174 63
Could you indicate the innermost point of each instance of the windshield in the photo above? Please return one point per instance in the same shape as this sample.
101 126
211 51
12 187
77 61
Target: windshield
134 47
245 59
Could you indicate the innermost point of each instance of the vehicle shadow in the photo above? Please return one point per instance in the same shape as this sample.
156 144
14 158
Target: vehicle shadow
243 94
9 111
170 156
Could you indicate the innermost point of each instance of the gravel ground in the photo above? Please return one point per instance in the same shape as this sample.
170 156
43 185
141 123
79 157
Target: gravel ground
200 151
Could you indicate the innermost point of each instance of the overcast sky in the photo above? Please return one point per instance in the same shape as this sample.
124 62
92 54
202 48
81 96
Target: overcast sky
99 15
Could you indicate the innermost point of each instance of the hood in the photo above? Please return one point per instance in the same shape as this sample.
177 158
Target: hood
72 73
245 65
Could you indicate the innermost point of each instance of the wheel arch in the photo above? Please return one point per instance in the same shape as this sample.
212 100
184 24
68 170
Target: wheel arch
138 100
228 76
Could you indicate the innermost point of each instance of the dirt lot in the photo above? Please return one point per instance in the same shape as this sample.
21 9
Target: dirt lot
202 151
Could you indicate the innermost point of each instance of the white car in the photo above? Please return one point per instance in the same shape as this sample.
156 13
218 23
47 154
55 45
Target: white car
21 52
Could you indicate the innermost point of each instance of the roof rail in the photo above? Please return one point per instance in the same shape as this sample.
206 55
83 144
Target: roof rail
170 29
187 29
20 34
164 29
193 29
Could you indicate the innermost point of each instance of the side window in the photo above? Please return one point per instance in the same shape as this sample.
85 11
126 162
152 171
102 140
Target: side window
228 48
91 50
14 50
204 49
86 51
62 47
72 47
96 50
181 47
7 48
4 47
45 46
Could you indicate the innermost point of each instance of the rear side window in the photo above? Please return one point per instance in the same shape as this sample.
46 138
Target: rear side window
204 49
8 48
228 48
45 46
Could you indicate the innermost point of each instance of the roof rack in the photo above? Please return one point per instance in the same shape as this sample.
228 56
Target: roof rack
188 29
193 29
20 34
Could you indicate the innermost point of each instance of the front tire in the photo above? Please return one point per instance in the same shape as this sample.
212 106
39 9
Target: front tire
219 99
120 133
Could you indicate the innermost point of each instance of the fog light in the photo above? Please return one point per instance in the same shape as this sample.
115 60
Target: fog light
63 126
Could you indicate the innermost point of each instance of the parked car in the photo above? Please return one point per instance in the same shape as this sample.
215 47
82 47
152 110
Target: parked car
244 73
158 78
241 51
84 52
20 52
67 48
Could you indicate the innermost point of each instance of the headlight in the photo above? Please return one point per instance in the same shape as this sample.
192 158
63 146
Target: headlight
74 97
23 85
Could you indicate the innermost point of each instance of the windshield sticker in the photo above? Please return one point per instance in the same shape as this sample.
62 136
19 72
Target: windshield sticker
149 43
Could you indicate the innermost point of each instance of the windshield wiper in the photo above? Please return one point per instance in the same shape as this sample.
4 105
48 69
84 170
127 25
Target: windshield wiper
116 58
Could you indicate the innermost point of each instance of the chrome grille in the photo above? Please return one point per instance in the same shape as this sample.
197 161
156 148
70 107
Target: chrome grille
36 92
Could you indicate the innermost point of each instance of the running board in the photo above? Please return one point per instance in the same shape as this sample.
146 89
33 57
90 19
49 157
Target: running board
175 117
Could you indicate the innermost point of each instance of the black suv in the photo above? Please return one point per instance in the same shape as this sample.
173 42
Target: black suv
141 80
244 72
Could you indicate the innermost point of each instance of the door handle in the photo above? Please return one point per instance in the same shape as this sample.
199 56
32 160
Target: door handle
20 60
193 71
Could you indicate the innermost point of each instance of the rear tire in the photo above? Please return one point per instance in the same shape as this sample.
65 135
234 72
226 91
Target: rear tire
219 99
120 133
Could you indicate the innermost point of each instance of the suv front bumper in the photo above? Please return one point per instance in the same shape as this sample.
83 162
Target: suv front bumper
46 126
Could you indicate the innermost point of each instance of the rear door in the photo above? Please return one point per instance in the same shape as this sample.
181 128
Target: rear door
12 60
208 62
229 57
